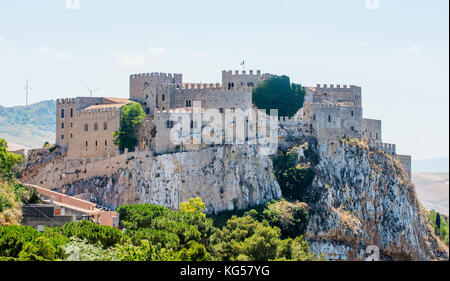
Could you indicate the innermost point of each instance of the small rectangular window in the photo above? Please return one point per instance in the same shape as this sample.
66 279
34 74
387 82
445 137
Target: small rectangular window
105 126
86 127
62 113
71 112
95 126
62 136
62 125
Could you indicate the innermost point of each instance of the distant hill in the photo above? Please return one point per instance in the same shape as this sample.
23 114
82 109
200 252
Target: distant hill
432 190
435 165
29 126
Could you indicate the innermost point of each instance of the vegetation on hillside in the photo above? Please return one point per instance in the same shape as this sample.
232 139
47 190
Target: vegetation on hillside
439 223
12 193
278 93
155 233
131 116
29 125
294 177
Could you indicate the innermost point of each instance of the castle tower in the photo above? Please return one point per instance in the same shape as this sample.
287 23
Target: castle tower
154 90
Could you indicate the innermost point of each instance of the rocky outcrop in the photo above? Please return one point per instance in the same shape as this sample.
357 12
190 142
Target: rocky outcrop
225 177
367 199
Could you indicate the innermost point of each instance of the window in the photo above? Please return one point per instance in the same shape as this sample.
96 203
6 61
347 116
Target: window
329 118
188 103
62 136
192 124
96 143
95 126
352 128
106 143
163 97
250 84
62 125
71 135
147 110
86 144
169 124
377 136
71 124
71 112
86 127
221 110
352 113
314 117
370 134
105 126
62 113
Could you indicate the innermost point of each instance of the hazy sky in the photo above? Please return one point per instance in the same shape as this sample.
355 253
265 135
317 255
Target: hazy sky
398 54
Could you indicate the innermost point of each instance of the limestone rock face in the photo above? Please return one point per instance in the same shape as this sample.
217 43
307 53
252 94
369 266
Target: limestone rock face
224 177
367 199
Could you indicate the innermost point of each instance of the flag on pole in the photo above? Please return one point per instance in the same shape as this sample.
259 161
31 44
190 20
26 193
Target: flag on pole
243 62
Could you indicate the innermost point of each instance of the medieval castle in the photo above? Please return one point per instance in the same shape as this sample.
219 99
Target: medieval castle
84 125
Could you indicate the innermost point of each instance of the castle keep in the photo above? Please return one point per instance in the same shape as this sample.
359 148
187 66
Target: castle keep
85 124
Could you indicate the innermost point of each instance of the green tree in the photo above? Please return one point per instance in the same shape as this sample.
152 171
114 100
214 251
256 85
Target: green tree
193 205
40 249
93 233
131 116
278 93
8 161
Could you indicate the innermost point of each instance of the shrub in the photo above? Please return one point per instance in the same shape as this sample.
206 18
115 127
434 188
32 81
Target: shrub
161 238
93 233
291 218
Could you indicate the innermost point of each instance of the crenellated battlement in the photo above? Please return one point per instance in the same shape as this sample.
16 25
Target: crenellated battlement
241 73
386 147
325 106
338 86
201 86
66 101
100 110
155 75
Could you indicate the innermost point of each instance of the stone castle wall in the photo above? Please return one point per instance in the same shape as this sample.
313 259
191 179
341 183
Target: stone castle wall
371 129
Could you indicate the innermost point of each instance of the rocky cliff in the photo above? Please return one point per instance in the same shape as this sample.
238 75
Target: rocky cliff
367 199
364 198
224 177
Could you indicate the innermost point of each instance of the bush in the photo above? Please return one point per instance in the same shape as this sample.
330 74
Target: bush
140 216
93 233
161 238
291 218
294 179
14 237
